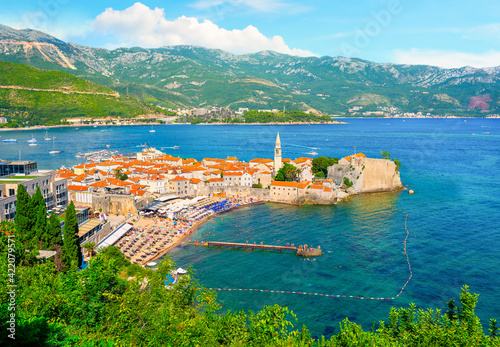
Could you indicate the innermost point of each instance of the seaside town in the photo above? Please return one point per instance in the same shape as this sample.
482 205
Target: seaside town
148 202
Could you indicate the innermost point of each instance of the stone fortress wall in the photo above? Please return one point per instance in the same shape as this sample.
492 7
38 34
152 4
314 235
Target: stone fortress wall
367 174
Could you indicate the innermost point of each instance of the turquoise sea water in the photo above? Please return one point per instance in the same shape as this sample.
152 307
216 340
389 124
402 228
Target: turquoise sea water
452 218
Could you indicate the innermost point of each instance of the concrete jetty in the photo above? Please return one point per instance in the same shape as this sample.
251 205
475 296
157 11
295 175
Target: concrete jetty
301 251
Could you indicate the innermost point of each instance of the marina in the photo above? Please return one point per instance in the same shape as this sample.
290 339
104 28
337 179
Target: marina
96 156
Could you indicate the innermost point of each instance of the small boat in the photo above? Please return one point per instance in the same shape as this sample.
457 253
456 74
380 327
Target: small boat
54 151
312 153
141 145
107 146
174 147
152 130
32 140
9 140
33 143
46 137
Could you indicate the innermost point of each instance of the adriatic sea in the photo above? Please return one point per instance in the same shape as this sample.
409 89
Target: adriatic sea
452 219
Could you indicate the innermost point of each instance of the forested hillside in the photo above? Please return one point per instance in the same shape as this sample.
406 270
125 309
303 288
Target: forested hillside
31 96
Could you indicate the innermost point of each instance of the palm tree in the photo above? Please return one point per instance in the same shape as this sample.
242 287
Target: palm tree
89 246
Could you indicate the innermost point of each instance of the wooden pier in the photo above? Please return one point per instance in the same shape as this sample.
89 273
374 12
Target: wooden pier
309 252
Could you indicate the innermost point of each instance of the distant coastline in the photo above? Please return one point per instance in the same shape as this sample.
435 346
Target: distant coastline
43 127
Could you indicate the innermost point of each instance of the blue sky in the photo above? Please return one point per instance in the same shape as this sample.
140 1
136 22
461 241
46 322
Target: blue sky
443 33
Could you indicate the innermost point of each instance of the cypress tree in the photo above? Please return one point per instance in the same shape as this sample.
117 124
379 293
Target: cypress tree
40 221
72 253
54 239
22 220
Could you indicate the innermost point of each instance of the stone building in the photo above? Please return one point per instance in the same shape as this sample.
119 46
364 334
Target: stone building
284 191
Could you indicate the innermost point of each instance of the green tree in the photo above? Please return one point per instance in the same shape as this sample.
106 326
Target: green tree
72 253
347 182
288 173
385 155
257 185
321 164
90 246
23 219
119 175
37 205
54 239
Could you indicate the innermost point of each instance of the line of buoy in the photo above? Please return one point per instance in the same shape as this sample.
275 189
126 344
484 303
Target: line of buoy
407 258
336 295
301 293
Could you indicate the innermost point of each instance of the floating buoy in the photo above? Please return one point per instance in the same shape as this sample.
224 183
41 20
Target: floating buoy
411 192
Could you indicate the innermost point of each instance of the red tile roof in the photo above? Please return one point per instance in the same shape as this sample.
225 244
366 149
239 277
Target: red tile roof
239 173
218 179
78 188
361 155
284 184
258 160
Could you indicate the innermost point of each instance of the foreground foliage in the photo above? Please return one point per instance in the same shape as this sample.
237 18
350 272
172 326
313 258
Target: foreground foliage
115 303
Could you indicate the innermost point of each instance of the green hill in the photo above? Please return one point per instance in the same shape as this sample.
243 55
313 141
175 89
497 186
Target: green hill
189 76
33 96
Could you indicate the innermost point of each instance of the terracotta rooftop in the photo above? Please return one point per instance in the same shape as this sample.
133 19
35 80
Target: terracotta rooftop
284 184
359 155
217 179
78 188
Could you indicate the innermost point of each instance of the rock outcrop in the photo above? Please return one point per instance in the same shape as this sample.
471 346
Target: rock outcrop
367 175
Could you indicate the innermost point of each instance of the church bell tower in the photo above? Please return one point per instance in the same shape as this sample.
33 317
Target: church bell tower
277 155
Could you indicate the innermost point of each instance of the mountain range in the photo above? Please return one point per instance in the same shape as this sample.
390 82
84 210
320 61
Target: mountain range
189 76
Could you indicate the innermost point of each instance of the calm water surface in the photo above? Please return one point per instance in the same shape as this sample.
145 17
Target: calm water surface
452 218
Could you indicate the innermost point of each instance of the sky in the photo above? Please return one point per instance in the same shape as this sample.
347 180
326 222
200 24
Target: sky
445 33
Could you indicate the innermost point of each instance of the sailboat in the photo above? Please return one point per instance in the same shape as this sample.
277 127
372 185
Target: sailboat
152 130
54 151
32 141
47 137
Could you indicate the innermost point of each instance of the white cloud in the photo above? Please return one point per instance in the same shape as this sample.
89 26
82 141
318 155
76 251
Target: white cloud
447 59
141 26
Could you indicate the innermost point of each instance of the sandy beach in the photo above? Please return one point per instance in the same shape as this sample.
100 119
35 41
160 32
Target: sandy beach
152 237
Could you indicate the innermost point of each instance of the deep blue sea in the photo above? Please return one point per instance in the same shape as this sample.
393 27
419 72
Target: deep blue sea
453 217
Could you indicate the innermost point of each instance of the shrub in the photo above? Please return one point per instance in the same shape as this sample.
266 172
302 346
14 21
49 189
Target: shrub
347 182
